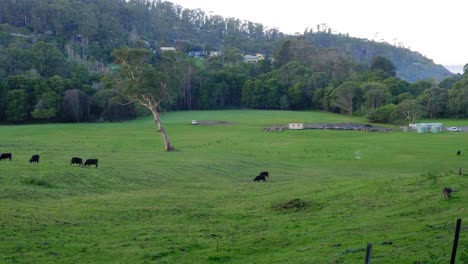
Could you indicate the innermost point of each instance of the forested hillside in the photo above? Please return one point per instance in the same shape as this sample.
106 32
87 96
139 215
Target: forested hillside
91 29
56 64
411 66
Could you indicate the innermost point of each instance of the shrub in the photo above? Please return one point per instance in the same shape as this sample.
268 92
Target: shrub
383 114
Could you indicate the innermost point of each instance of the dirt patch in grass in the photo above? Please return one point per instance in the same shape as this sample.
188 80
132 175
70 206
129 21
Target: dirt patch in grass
276 128
292 205
157 255
38 182
213 122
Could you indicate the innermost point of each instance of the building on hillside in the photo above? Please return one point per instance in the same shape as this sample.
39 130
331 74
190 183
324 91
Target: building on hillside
197 54
253 58
167 49
215 53
114 67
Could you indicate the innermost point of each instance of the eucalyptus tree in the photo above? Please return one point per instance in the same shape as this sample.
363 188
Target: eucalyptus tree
410 110
434 101
76 106
47 106
344 97
323 99
17 106
383 64
145 84
254 93
376 94
458 99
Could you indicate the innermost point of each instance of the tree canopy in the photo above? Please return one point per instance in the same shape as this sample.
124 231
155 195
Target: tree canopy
59 61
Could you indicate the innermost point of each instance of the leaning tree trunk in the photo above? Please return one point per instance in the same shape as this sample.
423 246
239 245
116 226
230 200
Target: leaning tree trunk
157 120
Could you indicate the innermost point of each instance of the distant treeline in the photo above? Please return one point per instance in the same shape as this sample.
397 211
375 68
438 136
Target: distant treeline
56 65
24 99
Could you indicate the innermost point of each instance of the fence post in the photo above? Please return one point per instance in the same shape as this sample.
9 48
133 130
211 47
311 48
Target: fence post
368 254
455 242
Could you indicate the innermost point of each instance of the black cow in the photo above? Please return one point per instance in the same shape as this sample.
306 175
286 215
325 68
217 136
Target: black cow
262 176
90 162
34 159
458 153
5 156
76 160
447 192
259 178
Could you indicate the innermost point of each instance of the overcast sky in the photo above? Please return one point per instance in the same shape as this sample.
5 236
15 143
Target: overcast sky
436 28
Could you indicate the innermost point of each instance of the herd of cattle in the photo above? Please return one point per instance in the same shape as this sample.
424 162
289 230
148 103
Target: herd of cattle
35 159
88 162
447 191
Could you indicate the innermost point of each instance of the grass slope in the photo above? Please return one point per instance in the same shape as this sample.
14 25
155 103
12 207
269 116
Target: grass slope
199 204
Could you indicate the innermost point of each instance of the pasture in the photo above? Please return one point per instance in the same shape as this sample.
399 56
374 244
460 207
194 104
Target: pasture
329 192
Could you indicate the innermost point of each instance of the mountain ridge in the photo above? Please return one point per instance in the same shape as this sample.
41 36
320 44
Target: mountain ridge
411 65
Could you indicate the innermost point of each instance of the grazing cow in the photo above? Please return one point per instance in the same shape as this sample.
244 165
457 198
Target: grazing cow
262 176
76 160
91 162
34 159
458 153
5 156
447 192
259 178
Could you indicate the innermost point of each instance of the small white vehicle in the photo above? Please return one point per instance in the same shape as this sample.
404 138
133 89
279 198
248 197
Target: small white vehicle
454 129
194 122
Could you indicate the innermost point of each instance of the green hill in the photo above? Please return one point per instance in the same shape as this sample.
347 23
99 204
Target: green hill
329 192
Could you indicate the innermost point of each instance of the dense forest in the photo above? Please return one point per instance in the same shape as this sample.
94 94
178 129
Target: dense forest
411 66
56 64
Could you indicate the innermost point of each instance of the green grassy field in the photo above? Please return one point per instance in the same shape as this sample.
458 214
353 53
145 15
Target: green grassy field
199 204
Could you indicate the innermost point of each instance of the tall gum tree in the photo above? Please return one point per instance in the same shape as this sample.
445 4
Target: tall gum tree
344 97
144 84
410 110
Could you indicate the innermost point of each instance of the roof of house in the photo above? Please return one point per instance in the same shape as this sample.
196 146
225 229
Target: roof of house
168 49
